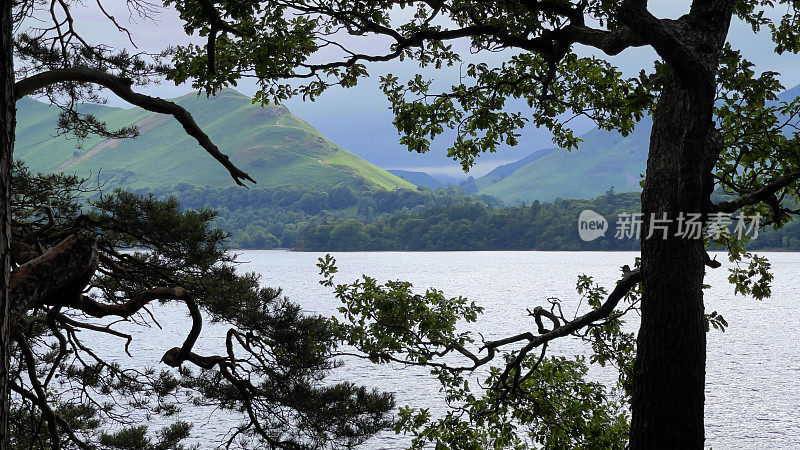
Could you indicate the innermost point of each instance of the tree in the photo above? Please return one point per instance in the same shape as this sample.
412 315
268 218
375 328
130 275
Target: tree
7 116
716 125
54 256
67 395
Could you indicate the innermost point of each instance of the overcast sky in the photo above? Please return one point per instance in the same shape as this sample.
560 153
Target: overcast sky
358 119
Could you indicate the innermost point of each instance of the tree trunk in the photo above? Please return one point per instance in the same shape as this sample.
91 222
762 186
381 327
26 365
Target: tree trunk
7 123
669 374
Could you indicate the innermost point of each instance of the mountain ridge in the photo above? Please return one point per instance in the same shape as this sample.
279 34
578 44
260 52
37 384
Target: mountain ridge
418 178
269 142
602 161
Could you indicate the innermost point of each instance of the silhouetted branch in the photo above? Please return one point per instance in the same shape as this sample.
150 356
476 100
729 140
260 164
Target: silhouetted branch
122 87
765 194
129 308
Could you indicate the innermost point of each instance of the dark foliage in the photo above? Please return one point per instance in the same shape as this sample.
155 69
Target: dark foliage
442 219
271 372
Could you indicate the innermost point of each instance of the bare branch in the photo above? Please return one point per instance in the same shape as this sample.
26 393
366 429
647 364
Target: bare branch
63 271
122 87
765 194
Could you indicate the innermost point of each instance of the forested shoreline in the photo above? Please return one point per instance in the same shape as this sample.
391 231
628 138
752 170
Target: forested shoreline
442 219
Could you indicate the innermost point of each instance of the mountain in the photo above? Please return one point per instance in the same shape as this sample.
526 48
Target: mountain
502 171
417 178
505 170
270 143
604 159
790 94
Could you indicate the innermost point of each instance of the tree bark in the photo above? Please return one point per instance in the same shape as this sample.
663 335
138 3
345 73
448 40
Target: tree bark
7 124
669 373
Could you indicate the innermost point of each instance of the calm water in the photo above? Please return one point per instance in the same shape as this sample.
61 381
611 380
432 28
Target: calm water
752 395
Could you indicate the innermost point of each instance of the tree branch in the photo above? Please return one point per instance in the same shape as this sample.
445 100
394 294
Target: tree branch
173 357
628 281
122 88
61 272
64 425
663 35
129 308
550 43
764 194
41 396
609 42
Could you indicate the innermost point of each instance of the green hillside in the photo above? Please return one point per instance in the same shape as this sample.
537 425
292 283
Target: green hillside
604 159
417 178
275 147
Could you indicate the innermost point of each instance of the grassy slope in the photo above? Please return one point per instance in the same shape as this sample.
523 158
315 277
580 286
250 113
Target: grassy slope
603 159
269 143
503 171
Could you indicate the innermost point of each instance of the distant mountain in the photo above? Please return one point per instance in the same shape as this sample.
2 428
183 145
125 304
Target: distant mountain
272 145
790 94
417 178
502 171
604 159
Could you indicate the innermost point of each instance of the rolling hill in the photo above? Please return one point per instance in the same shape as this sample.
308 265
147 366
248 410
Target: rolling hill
417 178
275 147
603 160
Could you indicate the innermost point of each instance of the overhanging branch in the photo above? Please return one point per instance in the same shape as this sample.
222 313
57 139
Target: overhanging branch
94 308
122 88
63 271
549 43
764 194
628 281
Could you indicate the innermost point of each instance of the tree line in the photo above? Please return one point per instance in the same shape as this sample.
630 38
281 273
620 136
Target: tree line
445 218
278 217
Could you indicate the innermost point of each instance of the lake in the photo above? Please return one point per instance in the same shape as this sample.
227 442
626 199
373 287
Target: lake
752 393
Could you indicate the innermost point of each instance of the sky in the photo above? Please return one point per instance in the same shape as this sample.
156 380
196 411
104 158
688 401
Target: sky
359 118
